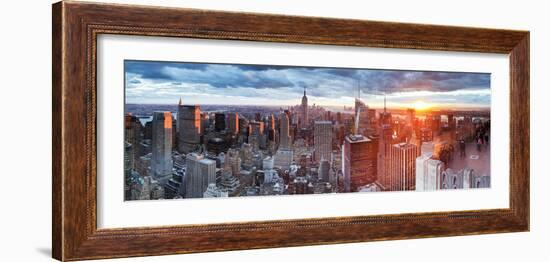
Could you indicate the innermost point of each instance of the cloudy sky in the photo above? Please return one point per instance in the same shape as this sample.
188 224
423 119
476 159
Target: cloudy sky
197 83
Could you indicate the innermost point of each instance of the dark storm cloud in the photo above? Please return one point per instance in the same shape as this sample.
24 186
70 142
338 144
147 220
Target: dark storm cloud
379 81
333 83
155 70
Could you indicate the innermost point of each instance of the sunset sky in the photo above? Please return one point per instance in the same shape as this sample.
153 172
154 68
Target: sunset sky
197 83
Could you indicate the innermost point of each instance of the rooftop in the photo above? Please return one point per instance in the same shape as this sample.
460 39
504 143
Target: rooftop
357 138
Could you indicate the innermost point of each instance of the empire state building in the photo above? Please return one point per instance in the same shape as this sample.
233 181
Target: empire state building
305 117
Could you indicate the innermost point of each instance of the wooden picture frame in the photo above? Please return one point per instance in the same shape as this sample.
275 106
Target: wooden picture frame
76 26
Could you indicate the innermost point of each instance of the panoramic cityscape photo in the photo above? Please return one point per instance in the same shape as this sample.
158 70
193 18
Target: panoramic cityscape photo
203 130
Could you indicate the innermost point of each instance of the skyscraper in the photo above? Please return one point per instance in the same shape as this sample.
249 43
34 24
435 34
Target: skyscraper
304 109
233 162
246 156
359 161
428 173
410 116
284 133
234 123
322 140
219 122
128 159
402 167
199 174
324 170
161 160
384 144
133 134
256 134
243 131
361 113
189 127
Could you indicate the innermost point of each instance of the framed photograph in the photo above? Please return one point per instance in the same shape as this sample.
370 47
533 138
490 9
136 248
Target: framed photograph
181 130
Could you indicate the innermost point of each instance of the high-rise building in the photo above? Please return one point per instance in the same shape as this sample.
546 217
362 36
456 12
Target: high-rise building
402 167
271 138
173 187
161 159
384 144
304 111
234 123
174 134
246 156
128 158
189 128
283 158
243 131
219 122
385 136
305 161
361 113
133 134
205 122
362 116
233 162
284 132
322 140
428 173
256 134
199 174
216 145
271 122
410 116
359 161
324 170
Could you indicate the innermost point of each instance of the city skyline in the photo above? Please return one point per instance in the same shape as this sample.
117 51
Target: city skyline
154 82
203 150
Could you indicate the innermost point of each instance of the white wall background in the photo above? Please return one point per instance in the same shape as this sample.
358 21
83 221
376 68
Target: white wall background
25 129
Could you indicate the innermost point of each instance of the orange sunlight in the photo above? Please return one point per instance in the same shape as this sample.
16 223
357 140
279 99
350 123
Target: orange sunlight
420 105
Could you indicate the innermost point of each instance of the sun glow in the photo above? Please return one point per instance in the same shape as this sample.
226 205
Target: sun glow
421 105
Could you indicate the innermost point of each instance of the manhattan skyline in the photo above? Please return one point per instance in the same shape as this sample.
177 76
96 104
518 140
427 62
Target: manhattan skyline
255 130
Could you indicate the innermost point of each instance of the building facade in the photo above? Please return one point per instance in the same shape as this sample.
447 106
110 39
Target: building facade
199 174
256 134
161 159
234 123
429 173
322 141
189 128
304 111
324 171
359 162
284 131
402 167
219 122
